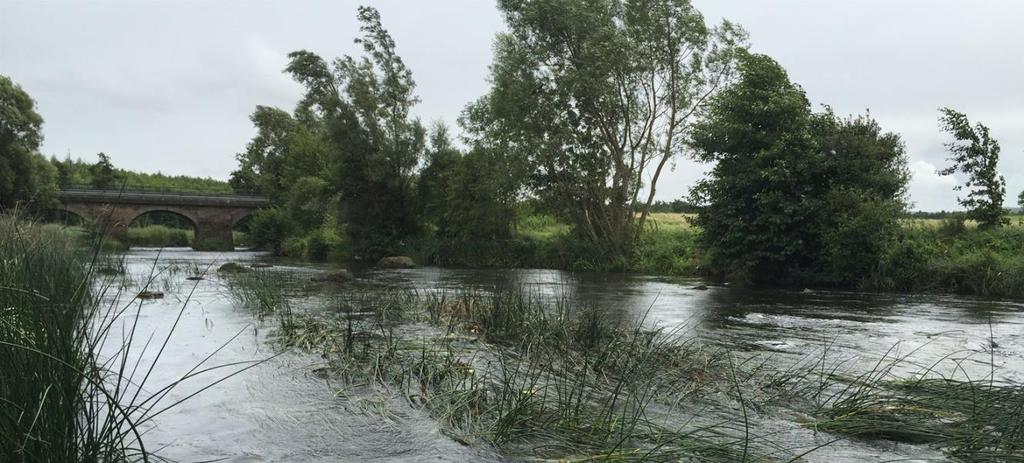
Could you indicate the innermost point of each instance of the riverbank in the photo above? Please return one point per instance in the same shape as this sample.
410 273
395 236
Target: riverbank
929 256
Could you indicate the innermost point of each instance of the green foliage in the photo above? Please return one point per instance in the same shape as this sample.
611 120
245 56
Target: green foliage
588 96
285 149
794 196
269 229
158 236
103 174
318 245
365 104
437 177
983 262
25 176
676 206
58 401
475 209
76 172
975 153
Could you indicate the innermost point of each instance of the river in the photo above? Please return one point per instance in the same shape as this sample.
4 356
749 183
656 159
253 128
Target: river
283 410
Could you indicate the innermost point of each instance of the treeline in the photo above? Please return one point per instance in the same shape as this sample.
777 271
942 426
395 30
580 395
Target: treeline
350 164
103 174
589 103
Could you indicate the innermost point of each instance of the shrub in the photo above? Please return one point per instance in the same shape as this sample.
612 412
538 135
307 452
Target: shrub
269 229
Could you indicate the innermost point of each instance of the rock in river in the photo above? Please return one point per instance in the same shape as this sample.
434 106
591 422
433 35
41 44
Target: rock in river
151 295
396 262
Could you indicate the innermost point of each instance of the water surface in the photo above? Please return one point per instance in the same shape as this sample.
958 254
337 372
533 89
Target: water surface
283 410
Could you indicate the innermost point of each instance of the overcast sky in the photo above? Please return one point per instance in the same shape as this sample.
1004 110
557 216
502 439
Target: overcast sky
168 86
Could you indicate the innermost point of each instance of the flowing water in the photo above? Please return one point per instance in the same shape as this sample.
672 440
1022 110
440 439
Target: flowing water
283 410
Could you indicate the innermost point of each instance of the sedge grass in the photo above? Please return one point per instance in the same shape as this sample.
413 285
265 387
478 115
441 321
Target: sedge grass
537 379
72 390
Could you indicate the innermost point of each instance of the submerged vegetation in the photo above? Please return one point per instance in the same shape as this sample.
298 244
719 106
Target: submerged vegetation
536 377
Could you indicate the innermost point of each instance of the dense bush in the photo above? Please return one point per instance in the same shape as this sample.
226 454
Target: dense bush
987 262
269 229
794 196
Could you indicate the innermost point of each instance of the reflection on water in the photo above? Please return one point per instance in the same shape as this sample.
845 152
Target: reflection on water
282 411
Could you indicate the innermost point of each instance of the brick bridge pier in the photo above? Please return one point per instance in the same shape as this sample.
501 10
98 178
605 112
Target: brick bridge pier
213 216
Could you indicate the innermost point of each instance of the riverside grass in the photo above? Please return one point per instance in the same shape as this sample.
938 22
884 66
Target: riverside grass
60 400
532 379
971 420
540 379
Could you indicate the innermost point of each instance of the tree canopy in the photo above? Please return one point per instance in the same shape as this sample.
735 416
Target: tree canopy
793 192
974 153
26 178
591 96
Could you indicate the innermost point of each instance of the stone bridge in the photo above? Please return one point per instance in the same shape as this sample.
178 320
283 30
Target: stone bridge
213 216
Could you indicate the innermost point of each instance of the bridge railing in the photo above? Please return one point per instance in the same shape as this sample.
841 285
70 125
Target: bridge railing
156 191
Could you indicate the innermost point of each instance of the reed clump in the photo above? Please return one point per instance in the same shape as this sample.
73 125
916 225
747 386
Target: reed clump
56 398
70 388
970 419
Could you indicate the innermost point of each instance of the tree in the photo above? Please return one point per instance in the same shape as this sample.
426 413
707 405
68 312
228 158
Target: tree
103 174
25 176
794 196
865 198
591 95
433 189
285 149
975 154
366 105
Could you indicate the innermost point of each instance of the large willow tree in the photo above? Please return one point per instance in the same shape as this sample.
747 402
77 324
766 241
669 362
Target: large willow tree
376 144
596 97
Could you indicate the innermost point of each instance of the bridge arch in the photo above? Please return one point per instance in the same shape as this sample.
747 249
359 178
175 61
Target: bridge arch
172 232
167 210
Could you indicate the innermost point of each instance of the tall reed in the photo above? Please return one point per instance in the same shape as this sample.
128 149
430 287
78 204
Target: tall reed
70 388
54 403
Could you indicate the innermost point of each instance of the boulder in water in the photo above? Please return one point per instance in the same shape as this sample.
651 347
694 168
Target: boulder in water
232 267
145 295
396 262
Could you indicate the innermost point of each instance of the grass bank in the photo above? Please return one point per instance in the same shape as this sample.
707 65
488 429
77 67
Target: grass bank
953 257
160 236
668 246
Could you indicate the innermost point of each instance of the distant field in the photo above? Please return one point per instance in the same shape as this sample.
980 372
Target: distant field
671 220
546 227
1015 220
541 227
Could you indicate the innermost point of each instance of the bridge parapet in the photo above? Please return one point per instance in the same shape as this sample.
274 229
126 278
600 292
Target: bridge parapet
162 198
